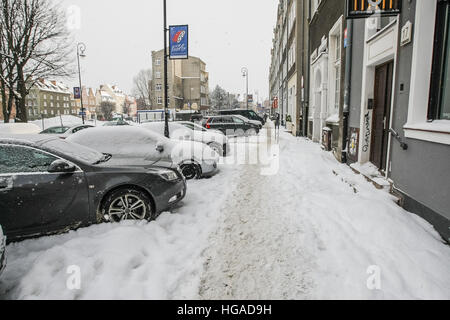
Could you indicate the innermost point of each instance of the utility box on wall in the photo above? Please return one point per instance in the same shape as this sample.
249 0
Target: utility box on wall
326 138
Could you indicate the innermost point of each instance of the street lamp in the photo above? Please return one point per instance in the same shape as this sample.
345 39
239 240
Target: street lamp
81 48
245 75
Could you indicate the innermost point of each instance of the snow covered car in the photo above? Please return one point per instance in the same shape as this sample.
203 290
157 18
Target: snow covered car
139 147
189 131
64 131
49 185
2 251
19 128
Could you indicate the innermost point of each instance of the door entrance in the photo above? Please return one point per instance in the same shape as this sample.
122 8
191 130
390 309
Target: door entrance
381 114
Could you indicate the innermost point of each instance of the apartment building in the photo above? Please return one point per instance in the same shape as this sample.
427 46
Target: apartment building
188 83
48 98
380 86
289 68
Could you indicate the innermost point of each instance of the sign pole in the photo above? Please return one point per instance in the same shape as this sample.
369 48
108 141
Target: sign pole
166 86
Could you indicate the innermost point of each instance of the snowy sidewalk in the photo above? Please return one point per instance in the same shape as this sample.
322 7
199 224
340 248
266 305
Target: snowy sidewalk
306 234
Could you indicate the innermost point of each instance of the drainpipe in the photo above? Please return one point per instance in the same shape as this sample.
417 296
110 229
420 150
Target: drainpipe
348 84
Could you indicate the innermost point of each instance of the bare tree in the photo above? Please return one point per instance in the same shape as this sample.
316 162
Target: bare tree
36 40
107 108
126 107
141 88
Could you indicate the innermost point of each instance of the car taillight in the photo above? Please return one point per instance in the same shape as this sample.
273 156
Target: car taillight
208 126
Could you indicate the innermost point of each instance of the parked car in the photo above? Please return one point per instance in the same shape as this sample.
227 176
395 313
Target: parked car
19 128
139 147
49 185
192 132
65 131
255 122
249 114
231 125
2 251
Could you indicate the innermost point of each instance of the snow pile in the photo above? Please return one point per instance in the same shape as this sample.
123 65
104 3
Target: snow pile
157 260
19 128
67 120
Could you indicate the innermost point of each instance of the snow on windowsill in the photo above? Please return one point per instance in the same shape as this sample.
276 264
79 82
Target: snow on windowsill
439 126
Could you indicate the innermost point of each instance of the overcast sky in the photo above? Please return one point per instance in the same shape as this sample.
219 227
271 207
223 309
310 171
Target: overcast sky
226 34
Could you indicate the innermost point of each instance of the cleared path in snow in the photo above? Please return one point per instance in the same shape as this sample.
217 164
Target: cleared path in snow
314 231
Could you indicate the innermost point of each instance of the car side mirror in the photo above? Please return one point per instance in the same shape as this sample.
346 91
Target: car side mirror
61 166
160 147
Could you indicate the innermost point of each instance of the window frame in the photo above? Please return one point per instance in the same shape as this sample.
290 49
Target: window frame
441 54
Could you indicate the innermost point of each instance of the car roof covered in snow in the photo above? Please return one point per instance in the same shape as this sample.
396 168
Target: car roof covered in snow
55 145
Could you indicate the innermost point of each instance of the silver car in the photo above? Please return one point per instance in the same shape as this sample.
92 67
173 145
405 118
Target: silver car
136 146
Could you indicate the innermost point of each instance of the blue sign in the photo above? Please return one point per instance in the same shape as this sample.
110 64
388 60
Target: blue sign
76 93
82 113
179 42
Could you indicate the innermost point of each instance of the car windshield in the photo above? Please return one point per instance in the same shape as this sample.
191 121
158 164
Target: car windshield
56 130
194 126
74 150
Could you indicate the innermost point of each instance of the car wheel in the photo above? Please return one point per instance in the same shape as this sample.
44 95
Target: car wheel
217 148
128 204
252 132
191 171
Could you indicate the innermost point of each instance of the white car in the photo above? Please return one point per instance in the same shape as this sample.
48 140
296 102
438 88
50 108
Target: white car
189 131
19 128
65 131
133 146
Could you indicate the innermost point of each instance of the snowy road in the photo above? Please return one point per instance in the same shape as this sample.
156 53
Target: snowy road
311 231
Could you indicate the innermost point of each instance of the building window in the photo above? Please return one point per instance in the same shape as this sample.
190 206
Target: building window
159 100
439 106
158 62
158 75
337 70
158 87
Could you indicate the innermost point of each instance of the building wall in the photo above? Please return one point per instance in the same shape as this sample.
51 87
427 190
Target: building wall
420 173
182 76
327 21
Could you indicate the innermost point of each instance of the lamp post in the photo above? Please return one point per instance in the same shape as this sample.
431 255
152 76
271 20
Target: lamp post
190 99
81 48
245 75
166 86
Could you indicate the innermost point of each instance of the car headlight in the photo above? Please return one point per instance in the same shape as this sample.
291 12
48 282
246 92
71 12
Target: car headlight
169 175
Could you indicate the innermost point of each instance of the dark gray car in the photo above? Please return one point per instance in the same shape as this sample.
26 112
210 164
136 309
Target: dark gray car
49 185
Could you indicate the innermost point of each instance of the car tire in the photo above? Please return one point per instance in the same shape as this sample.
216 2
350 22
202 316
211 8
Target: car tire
191 171
217 148
127 204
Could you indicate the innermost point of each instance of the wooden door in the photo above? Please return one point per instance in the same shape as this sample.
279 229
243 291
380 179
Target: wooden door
381 114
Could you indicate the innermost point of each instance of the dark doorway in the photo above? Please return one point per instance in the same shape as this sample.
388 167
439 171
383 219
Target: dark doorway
381 114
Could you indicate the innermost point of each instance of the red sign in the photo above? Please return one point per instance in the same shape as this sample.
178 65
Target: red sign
275 103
